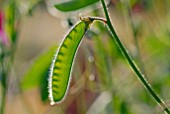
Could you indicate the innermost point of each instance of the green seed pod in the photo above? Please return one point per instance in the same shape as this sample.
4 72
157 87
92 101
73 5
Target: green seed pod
63 61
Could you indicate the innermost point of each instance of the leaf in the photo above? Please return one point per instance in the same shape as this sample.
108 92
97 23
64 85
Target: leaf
63 61
10 17
38 71
44 86
74 5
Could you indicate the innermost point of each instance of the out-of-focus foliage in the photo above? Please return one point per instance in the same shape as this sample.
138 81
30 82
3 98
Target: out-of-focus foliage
38 72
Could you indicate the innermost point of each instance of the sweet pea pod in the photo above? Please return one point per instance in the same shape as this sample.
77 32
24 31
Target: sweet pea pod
62 64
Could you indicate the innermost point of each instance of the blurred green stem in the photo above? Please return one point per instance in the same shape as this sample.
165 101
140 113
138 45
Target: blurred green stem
128 13
7 55
3 100
140 76
3 84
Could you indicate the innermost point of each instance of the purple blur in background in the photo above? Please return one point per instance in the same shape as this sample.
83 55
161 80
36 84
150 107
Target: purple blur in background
3 37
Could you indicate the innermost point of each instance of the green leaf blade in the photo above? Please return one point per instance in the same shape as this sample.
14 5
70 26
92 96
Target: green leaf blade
74 5
38 70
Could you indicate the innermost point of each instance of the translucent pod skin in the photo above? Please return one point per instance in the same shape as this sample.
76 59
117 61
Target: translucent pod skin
62 64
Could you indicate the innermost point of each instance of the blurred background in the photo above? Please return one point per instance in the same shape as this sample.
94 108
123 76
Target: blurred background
102 80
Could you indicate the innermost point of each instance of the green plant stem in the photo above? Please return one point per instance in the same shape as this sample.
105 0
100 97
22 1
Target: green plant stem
3 80
131 62
3 100
3 92
128 13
